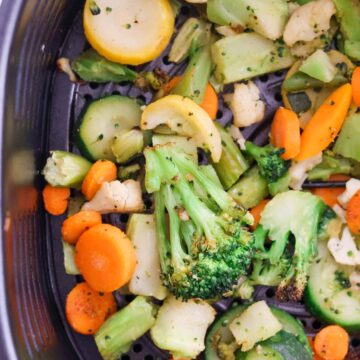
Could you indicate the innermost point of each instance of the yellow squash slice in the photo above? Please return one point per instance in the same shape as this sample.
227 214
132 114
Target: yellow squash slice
184 117
128 31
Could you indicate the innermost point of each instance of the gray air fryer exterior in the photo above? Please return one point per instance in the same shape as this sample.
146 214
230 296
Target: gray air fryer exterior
31 32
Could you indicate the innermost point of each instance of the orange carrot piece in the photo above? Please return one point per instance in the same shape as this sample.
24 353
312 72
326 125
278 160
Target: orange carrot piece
332 343
86 309
353 214
101 171
285 132
328 195
355 83
256 212
311 343
210 102
105 257
55 199
76 224
326 123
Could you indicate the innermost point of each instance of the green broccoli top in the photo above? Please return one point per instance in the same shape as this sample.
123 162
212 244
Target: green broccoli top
204 246
291 214
272 166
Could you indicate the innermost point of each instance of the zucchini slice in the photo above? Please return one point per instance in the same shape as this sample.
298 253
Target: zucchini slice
101 120
329 294
220 333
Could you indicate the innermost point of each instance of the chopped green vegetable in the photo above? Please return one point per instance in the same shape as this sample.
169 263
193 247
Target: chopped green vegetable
90 66
127 144
207 259
129 172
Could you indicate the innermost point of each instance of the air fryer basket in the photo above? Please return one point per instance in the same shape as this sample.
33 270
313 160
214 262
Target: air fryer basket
38 107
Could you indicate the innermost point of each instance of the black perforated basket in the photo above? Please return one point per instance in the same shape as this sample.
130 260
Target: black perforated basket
38 107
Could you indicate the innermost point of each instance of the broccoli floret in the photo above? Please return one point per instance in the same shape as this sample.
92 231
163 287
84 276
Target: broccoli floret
334 164
292 215
203 250
272 167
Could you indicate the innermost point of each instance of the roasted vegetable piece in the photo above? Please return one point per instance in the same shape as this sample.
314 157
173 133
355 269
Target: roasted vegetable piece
117 334
64 169
232 163
207 248
247 55
347 144
333 164
250 189
297 213
181 327
194 33
332 293
194 80
90 66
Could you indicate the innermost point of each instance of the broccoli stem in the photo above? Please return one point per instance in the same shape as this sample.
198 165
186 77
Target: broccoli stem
178 255
232 163
118 332
300 81
194 80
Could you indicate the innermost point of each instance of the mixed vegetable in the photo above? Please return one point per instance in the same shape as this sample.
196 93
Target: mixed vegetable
282 214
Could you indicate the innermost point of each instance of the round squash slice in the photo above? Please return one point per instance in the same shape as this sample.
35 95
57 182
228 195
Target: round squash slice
128 31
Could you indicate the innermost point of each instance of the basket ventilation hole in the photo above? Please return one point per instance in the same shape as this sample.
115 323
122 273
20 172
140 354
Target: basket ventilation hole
137 348
125 357
270 293
316 325
355 342
219 114
94 85
88 97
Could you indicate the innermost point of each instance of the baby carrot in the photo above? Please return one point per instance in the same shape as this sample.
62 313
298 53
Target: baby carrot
55 199
285 132
101 171
326 123
105 257
86 309
76 224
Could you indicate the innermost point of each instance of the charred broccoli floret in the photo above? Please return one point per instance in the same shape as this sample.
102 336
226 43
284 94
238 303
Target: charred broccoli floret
203 249
272 166
292 215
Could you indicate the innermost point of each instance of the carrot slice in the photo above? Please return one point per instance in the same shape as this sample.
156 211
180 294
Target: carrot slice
328 195
353 214
76 224
285 132
101 171
105 257
311 343
55 199
256 212
355 83
210 102
326 123
87 309
332 343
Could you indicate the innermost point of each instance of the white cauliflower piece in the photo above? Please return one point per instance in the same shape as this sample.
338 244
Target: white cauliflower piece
245 104
344 250
352 187
309 21
340 212
238 136
298 170
117 197
181 327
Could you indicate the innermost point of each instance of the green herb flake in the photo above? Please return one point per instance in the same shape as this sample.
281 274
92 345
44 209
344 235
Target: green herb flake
94 8
108 10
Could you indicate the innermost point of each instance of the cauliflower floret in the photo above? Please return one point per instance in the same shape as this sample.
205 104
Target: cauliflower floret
309 21
117 197
228 30
298 170
352 187
344 250
340 212
245 104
